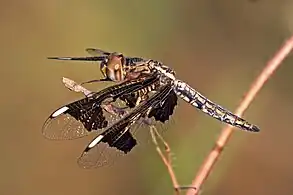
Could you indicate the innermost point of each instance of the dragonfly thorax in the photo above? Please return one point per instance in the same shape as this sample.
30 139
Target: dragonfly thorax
162 69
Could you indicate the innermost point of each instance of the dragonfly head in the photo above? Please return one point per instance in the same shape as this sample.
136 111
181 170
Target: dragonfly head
112 67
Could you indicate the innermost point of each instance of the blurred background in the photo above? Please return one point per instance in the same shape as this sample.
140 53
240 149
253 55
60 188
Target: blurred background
218 47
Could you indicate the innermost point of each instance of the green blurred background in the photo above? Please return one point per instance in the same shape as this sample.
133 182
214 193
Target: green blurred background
218 47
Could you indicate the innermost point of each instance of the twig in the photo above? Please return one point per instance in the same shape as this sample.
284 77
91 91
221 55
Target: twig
226 133
73 86
167 159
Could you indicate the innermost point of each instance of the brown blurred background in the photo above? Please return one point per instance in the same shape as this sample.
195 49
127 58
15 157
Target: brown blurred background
218 47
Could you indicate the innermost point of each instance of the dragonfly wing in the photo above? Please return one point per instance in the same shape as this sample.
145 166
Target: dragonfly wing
94 58
118 137
96 52
77 119
109 149
74 120
99 52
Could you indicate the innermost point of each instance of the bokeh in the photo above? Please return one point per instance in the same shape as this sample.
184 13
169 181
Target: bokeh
218 47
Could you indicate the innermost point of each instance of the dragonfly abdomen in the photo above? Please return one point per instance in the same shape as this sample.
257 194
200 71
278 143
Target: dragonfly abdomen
199 101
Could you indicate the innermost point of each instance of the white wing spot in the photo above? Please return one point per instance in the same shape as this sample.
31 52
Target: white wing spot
96 141
60 111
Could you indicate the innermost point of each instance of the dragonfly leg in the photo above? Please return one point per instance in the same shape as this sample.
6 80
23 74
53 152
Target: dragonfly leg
114 110
132 75
95 81
120 111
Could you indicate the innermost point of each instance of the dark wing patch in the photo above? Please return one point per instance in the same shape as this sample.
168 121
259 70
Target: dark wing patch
124 142
164 111
89 113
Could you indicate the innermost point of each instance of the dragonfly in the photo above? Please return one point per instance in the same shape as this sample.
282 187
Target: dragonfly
137 78
81 117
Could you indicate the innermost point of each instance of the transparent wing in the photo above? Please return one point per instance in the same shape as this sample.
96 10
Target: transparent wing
94 58
129 60
97 55
96 52
121 137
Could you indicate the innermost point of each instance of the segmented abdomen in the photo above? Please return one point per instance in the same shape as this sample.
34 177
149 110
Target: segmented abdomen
193 97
